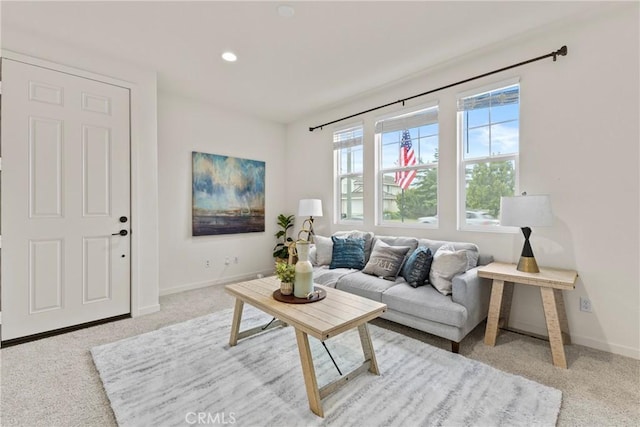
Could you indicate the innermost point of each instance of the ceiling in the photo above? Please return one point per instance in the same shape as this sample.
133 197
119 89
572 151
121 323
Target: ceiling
287 67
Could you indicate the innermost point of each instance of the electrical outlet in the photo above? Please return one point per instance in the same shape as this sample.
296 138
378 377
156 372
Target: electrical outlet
207 263
585 304
235 260
227 261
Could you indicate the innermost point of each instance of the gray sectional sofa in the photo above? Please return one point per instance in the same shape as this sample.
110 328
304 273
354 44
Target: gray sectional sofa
424 307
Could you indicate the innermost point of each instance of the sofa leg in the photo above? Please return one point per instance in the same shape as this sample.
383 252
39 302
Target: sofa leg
455 347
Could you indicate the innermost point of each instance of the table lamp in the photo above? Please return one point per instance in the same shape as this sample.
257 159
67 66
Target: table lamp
524 212
310 208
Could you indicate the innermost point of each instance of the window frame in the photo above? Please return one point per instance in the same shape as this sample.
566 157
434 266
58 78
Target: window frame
380 171
338 177
463 164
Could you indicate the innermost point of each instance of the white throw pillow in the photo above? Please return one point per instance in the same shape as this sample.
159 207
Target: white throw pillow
324 249
447 263
312 255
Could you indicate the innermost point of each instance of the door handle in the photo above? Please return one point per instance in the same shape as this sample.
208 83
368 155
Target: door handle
121 233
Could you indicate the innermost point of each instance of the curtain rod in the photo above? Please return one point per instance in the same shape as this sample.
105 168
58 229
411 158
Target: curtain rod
560 52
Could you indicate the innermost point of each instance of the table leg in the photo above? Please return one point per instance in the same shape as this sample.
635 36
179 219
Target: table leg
562 316
491 332
367 348
553 327
309 373
505 308
235 325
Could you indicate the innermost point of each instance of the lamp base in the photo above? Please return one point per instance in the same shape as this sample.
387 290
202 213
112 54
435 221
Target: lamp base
528 265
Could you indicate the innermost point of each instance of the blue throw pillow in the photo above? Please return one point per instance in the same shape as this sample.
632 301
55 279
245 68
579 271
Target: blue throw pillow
347 253
416 269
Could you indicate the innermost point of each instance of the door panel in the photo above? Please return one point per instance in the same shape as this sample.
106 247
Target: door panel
96 171
96 269
66 183
45 167
45 275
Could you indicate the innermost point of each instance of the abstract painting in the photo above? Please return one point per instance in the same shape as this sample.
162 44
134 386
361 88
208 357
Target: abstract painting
228 195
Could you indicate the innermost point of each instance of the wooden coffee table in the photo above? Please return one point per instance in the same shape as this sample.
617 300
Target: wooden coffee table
338 312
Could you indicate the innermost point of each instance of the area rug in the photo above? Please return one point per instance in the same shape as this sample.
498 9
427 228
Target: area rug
186 374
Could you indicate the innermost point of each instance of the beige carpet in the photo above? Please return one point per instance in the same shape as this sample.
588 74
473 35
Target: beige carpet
53 382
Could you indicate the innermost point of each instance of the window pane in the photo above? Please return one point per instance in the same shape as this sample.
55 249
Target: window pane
478 117
418 203
425 147
505 138
428 150
485 184
503 113
476 143
389 137
350 160
390 155
351 203
429 130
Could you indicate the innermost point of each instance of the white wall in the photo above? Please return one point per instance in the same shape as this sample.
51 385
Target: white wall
186 126
144 207
579 143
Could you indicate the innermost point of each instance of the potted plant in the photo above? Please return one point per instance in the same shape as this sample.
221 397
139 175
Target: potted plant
281 249
286 273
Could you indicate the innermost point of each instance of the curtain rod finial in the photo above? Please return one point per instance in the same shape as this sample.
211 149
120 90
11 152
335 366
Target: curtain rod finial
562 52
310 129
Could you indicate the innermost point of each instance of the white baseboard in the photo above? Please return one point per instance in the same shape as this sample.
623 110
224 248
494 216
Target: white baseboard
621 350
146 310
207 283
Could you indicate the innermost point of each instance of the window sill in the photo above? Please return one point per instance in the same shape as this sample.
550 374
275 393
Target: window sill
489 229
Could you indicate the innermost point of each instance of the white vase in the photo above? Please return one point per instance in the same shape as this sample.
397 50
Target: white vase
303 284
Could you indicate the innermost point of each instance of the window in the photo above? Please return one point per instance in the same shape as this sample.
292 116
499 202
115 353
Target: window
407 190
488 138
348 164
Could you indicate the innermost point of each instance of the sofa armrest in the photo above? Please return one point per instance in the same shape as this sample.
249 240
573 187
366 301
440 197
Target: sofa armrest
473 292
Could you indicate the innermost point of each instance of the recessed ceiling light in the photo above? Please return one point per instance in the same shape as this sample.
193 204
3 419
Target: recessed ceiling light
286 11
229 57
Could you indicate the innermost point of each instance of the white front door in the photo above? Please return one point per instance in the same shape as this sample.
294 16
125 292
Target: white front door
65 192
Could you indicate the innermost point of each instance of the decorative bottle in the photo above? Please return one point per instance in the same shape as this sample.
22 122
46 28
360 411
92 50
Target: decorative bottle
303 284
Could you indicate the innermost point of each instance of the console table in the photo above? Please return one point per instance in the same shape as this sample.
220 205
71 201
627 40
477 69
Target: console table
551 282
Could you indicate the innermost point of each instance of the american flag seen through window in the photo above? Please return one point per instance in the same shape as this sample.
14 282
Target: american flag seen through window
407 158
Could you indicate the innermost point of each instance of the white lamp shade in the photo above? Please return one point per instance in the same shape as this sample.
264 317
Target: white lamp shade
526 211
310 207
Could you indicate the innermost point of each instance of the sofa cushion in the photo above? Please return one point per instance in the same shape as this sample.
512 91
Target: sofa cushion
312 255
348 252
447 262
366 235
323 275
471 248
412 242
386 261
365 285
425 302
324 249
416 269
